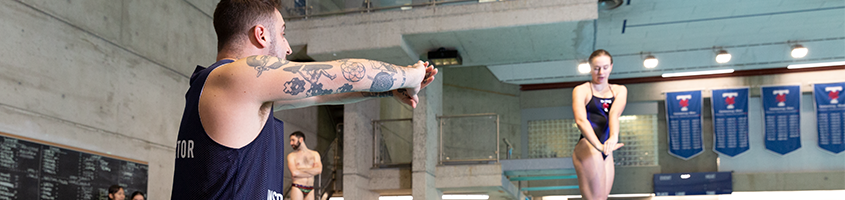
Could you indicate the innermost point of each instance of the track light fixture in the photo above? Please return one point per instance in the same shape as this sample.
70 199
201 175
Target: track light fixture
444 57
799 51
584 67
723 57
650 61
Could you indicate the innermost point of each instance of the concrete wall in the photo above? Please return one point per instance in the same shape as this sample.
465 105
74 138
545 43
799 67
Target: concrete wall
808 168
103 75
472 90
358 149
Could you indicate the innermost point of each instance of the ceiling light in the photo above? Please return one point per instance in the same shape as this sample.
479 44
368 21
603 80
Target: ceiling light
826 64
443 57
584 67
650 62
799 51
720 71
723 57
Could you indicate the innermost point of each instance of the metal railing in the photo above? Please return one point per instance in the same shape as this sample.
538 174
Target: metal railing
327 181
304 9
393 144
509 148
471 138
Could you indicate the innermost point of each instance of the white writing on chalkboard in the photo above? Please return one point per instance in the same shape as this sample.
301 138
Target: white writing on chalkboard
184 149
30 170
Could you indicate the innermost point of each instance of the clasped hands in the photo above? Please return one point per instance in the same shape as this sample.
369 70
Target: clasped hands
422 71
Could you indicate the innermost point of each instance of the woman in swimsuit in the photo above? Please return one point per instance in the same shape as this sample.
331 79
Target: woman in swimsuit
597 106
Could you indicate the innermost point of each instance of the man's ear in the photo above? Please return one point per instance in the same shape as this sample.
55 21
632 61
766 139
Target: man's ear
259 32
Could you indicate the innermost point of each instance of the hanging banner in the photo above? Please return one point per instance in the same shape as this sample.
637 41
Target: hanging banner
683 114
781 116
730 121
830 116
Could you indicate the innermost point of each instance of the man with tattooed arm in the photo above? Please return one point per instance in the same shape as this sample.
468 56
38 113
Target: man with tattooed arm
229 145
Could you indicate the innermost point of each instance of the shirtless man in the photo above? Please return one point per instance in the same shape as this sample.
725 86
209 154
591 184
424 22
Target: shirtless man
304 164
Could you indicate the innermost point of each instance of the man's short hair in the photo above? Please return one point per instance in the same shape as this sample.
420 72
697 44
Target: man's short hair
114 189
298 134
234 18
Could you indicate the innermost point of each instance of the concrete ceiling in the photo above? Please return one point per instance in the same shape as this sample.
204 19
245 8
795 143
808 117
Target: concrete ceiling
683 35
511 45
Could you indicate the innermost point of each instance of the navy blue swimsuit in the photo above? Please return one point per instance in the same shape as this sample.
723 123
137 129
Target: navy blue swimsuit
597 115
207 170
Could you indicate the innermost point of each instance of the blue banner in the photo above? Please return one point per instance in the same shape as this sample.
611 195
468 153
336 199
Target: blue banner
683 114
830 115
781 116
730 121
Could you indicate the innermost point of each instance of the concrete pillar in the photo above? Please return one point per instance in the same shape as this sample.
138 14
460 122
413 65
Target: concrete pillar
426 141
358 149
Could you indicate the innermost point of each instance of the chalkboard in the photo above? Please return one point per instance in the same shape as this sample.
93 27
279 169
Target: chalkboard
37 170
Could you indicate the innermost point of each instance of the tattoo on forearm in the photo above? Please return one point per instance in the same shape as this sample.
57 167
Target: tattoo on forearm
264 63
403 78
389 67
377 94
353 71
382 82
385 66
345 88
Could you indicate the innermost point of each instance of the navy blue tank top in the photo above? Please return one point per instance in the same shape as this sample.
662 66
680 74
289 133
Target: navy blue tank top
597 114
207 170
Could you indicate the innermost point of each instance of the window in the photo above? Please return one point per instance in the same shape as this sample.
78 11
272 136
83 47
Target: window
557 139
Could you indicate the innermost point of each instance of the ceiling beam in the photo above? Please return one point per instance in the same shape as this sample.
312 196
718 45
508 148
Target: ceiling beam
651 79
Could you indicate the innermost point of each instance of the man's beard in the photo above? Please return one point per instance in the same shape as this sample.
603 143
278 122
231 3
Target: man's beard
274 49
296 146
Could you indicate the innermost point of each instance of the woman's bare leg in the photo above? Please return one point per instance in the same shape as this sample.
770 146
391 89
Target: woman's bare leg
590 168
610 171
